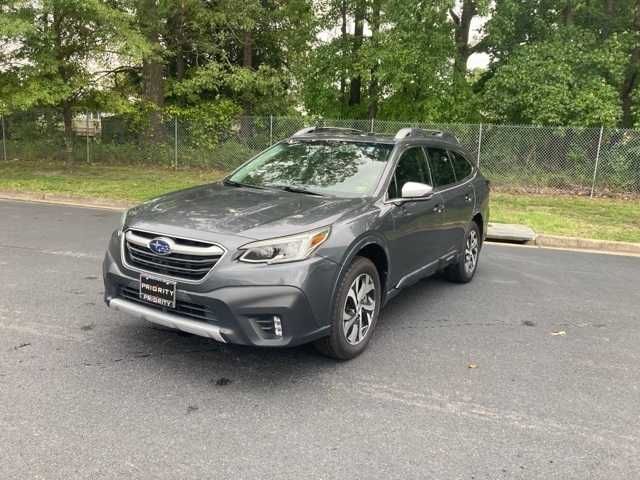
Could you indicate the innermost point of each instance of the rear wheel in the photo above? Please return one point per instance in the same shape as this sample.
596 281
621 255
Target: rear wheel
355 312
465 268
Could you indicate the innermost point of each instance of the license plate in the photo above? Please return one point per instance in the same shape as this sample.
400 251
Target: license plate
158 291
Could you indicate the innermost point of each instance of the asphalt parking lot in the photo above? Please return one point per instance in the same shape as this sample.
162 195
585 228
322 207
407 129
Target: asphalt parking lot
554 337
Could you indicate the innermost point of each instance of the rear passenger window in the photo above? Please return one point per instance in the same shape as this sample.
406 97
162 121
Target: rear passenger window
461 166
411 168
441 168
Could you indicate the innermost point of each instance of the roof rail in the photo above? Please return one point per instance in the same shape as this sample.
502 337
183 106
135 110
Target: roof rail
338 130
421 132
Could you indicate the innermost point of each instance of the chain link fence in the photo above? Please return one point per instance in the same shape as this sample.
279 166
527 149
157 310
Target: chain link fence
574 160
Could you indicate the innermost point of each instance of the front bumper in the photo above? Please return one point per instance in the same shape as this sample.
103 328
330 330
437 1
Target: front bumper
167 319
234 308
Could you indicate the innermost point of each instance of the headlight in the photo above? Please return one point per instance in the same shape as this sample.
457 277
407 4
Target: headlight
285 249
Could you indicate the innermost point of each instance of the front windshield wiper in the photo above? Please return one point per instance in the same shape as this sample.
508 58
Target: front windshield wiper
233 183
297 189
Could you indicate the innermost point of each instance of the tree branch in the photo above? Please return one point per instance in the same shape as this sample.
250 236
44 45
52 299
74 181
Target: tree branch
454 16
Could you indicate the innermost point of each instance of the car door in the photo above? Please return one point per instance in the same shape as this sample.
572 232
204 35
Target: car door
457 193
415 240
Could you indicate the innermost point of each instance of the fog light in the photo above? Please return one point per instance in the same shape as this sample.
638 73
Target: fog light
277 326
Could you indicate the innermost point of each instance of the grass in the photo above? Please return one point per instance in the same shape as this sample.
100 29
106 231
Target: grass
599 218
124 183
605 219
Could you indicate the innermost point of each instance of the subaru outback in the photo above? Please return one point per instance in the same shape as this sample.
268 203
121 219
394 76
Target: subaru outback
305 242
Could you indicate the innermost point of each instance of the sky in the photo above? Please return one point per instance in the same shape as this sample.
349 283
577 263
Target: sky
478 60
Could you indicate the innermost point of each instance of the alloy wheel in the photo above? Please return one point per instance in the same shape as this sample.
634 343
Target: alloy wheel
359 309
471 252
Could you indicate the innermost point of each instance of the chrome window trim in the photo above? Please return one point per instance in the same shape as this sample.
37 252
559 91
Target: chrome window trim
457 185
473 166
161 275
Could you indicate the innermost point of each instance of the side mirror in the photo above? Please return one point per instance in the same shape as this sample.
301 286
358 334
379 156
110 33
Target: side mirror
416 190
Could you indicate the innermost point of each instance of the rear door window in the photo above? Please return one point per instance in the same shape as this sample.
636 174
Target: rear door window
461 165
441 167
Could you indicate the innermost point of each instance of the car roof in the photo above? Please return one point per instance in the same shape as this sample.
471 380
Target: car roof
405 136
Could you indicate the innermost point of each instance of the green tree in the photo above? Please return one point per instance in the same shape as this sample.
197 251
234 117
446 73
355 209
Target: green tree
219 59
554 82
60 53
563 61
393 59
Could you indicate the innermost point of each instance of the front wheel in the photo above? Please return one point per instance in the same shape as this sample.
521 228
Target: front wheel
465 268
355 312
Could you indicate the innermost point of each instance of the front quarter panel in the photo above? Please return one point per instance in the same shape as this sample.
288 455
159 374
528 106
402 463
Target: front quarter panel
347 239
347 235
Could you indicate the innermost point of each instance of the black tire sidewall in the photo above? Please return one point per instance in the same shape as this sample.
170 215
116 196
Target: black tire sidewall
341 348
463 271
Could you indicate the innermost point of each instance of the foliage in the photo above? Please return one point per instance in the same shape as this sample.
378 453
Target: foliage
57 52
552 61
559 62
554 82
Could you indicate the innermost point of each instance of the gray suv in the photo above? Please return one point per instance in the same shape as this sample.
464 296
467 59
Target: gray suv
305 242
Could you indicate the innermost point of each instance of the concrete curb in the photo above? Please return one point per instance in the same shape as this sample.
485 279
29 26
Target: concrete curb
83 202
495 234
507 232
557 241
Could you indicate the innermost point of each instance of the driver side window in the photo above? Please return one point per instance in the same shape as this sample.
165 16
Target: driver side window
412 167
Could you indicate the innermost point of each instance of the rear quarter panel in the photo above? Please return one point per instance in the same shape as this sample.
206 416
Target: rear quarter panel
482 193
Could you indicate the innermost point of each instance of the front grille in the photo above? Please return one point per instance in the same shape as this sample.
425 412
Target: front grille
186 309
190 260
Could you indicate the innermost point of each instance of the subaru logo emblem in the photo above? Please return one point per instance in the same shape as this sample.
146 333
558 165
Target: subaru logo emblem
160 246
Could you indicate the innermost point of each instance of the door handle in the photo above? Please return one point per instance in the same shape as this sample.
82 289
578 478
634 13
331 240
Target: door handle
468 198
439 208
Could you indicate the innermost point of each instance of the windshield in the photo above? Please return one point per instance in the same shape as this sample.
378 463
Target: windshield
345 169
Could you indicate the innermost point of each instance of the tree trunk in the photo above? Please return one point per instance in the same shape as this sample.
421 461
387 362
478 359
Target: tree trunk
631 75
67 105
180 41
611 7
179 64
373 85
247 62
462 30
355 93
568 13
152 73
67 117
152 69
343 33
247 50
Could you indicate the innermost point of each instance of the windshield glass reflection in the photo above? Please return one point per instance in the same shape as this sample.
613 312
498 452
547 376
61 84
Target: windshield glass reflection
346 169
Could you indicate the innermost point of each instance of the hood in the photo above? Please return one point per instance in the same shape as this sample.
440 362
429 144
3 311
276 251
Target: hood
245 212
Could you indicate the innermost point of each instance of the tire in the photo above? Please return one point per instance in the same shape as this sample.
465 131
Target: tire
462 271
352 314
